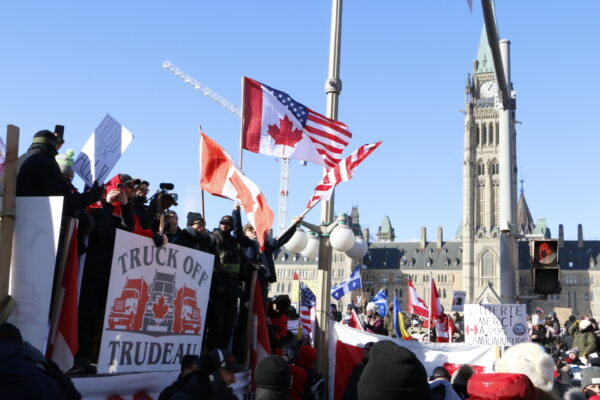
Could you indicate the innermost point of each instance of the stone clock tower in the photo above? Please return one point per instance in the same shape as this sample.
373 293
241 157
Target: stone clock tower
481 182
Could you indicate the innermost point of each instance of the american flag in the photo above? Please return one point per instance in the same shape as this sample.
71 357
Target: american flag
308 302
342 172
328 137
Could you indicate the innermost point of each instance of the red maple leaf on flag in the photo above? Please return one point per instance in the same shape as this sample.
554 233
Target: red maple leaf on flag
285 133
160 308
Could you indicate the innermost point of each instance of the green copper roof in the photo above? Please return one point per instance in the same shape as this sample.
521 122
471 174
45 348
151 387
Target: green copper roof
541 228
484 54
386 225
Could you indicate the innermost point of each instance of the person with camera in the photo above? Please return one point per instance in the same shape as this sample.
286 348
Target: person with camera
171 228
112 212
38 173
225 288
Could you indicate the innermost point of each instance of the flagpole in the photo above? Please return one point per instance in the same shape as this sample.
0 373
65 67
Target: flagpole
200 131
333 87
242 127
430 305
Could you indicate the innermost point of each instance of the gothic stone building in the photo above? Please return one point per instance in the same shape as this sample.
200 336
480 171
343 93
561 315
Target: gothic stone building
470 261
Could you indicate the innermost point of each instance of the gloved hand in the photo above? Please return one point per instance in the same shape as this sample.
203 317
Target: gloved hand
159 239
95 193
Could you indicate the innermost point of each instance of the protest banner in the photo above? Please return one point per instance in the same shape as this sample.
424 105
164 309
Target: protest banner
345 351
35 245
156 305
458 300
102 151
563 313
496 324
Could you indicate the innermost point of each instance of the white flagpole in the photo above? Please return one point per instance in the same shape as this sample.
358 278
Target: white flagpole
430 305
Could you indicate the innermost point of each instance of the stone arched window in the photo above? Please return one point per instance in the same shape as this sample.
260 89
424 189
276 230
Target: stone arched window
478 134
483 134
289 287
497 133
487 267
491 133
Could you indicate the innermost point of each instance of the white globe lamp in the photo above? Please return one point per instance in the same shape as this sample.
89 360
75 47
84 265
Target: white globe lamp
342 237
297 242
358 249
311 251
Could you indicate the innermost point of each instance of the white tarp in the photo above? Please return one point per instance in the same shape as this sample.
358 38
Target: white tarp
156 305
496 324
35 243
102 151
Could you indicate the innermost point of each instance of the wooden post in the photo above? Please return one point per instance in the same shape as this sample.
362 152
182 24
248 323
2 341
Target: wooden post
7 215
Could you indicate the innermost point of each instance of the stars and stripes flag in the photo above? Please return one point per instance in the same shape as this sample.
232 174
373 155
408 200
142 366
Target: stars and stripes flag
220 176
342 172
416 305
275 124
308 302
348 285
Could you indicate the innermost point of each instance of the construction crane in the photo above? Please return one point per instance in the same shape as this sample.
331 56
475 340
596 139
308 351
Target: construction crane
223 102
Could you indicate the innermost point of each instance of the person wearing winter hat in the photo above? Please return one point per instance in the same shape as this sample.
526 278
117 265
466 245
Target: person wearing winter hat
38 174
530 359
572 357
585 339
65 162
503 386
460 380
440 386
273 379
195 236
393 372
590 385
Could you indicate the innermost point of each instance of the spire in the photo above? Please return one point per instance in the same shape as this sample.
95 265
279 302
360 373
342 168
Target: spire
485 62
385 231
525 223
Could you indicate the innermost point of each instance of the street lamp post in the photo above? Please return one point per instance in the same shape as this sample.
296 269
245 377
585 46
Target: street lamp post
333 87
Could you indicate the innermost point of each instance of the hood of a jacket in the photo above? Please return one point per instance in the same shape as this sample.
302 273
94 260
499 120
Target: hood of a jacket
306 356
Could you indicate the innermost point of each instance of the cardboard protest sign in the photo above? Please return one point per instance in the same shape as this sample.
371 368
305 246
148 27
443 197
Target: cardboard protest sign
35 246
495 324
563 313
458 300
102 151
156 305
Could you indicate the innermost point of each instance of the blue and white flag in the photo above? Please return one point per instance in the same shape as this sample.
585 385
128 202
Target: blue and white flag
348 285
380 301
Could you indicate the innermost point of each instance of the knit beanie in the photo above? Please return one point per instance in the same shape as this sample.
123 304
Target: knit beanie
590 376
530 359
10 332
393 372
45 137
274 374
65 162
193 217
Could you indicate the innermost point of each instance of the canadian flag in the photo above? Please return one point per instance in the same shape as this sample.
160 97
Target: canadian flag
416 305
64 340
259 342
355 321
275 124
220 176
436 307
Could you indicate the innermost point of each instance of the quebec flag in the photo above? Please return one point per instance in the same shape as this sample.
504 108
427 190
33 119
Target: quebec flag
350 284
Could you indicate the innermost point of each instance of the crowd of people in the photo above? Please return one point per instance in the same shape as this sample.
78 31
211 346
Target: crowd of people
562 360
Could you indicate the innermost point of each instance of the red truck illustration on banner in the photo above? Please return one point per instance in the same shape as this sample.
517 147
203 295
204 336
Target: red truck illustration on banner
158 308
128 309
187 313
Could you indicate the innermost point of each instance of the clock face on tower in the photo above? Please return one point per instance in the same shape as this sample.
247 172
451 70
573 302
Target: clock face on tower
488 90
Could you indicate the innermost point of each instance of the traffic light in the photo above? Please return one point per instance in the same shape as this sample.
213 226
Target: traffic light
545 268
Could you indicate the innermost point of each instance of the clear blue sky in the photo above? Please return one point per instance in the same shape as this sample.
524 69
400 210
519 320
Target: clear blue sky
404 65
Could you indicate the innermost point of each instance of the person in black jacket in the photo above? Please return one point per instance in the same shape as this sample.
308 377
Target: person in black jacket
38 174
351 392
262 262
111 213
195 236
225 286
19 377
